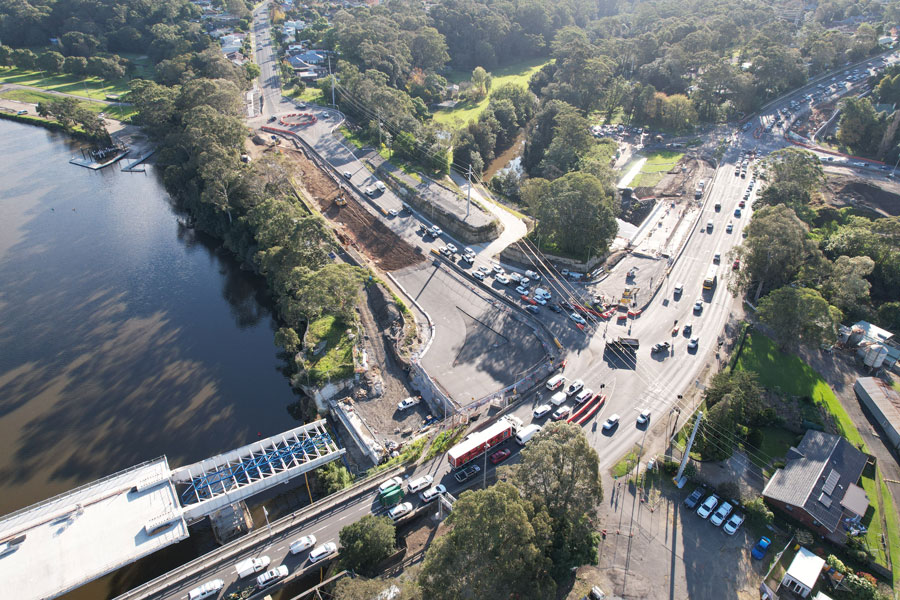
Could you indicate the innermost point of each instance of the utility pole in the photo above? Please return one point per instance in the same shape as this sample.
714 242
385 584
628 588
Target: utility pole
333 77
687 450
469 195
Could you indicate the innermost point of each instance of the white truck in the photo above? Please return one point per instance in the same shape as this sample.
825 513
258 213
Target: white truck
250 566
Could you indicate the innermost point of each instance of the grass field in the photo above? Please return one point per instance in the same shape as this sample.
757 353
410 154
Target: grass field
873 517
775 444
657 165
121 113
336 361
89 87
464 112
893 527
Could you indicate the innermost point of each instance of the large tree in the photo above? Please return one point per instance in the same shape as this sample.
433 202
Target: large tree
800 167
494 549
860 127
366 542
798 315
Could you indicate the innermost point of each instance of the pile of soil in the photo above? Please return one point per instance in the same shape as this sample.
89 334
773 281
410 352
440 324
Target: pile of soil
356 226
682 180
881 197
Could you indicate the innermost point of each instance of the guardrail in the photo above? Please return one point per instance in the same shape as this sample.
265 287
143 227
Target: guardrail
235 548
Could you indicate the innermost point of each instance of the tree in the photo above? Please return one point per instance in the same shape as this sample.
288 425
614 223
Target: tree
860 126
287 338
798 166
559 473
335 476
847 287
799 316
366 543
489 528
51 61
76 65
571 140
428 49
758 512
330 290
481 82
359 588
791 194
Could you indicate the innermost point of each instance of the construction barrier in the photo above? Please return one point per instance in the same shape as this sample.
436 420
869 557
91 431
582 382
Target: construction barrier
309 119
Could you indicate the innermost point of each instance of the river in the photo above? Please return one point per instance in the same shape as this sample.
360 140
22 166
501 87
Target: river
124 335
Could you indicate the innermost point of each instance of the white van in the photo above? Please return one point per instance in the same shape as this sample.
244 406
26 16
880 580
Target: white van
542 293
558 398
556 382
526 434
380 186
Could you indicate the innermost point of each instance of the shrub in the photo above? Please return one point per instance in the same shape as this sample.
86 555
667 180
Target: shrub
729 489
758 512
836 563
755 438
670 467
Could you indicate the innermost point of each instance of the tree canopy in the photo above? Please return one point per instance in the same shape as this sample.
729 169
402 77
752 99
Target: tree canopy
367 542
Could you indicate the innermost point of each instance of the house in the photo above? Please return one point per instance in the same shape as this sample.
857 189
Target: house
231 43
802 575
883 403
295 48
236 58
311 57
818 485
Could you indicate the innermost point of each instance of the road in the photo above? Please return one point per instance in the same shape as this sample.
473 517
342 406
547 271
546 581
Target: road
632 382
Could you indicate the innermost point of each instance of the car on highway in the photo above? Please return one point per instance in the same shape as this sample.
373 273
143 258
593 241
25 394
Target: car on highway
574 387
478 275
394 212
399 511
407 403
761 547
717 257
611 422
501 279
692 500
533 275
432 493
584 395
451 248
737 212
467 473
348 175
419 484
484 269
679 289
578 318
734 523
708 506
729 228
695 341
532 309
661 347
555 308
540 300
561 413
210 588
370 191
721 514
540 411
524 281
497 269
698 306
388 484
445 251
273 119
515 277
644 417
271 576
435 231
500 455
521 289
304 543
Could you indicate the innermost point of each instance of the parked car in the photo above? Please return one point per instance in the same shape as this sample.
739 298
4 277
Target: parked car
577 318
404 508
692 500
407 403
541 410
611 422
574 387
708 506
734 523
761 547
500 455
562 413
419 484
502 279
644 417
721 514
432 493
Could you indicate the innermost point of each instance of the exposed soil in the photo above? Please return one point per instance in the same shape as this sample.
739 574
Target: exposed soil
355 225
881 197
683 179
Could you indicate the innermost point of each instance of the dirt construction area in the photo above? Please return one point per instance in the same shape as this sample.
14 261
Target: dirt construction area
682 180
355 225
879 196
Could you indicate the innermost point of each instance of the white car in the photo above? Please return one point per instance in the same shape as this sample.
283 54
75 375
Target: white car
270 577
717 257
577 318
502 279
734 523
323 551
698 305
304 543
540 300
721 514
574 387
541 410
348 175
611 422
584 395
435 231
692 345
478 275
393 481
432 493
210 588
515 276
497 269
483 269
522 290
533 274
708 506
524 281
644 417
561 413
729 227
393 212
419 484
407 403
451 248
445 251
370 191
401 509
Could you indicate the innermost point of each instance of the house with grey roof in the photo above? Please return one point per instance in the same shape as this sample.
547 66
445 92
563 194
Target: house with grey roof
818 485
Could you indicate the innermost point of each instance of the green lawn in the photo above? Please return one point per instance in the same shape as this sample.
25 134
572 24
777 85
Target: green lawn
626 464
518 73
790 376
872 518
89 87
893 527
310 94
775 444
336 361
121 113
657 165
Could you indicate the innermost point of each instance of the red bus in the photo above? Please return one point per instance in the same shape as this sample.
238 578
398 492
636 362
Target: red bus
479 442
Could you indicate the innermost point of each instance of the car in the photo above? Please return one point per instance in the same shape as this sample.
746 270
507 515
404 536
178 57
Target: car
698 306
304 543
644 417
737 212
574 387
394 212
210 588
484 269
445 251
761 547
524 281
742 204
408 402
388 484
721 514
708 506
734 523
695 341
271 576
467 473
370 191
541 411
533 275
533 309
348 175
436 231
432 493
497 269
662 346
478 275
515 277
729 227
502 279
540 300
688 328
399 511
611 422
584 395
692 500
679 289
736 264
419 484
717 257
554 308
451 248
273 119
500 455
521 289
561 413
577 318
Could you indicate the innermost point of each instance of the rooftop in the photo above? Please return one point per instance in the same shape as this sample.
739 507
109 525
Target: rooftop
76 537
884 396
806 567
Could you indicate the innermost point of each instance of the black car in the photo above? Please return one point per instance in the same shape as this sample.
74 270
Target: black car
272 119
692 500
554 308
532 309
659 347
467 473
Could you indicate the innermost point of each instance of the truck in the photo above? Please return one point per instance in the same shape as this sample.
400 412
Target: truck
467 473
249 566
627 343
391 496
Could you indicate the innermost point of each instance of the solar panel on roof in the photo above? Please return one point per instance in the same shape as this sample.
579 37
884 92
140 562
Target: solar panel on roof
825 499
833 478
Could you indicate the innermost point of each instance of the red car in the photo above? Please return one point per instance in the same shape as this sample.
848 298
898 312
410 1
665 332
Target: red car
741 204
736 264
500 455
